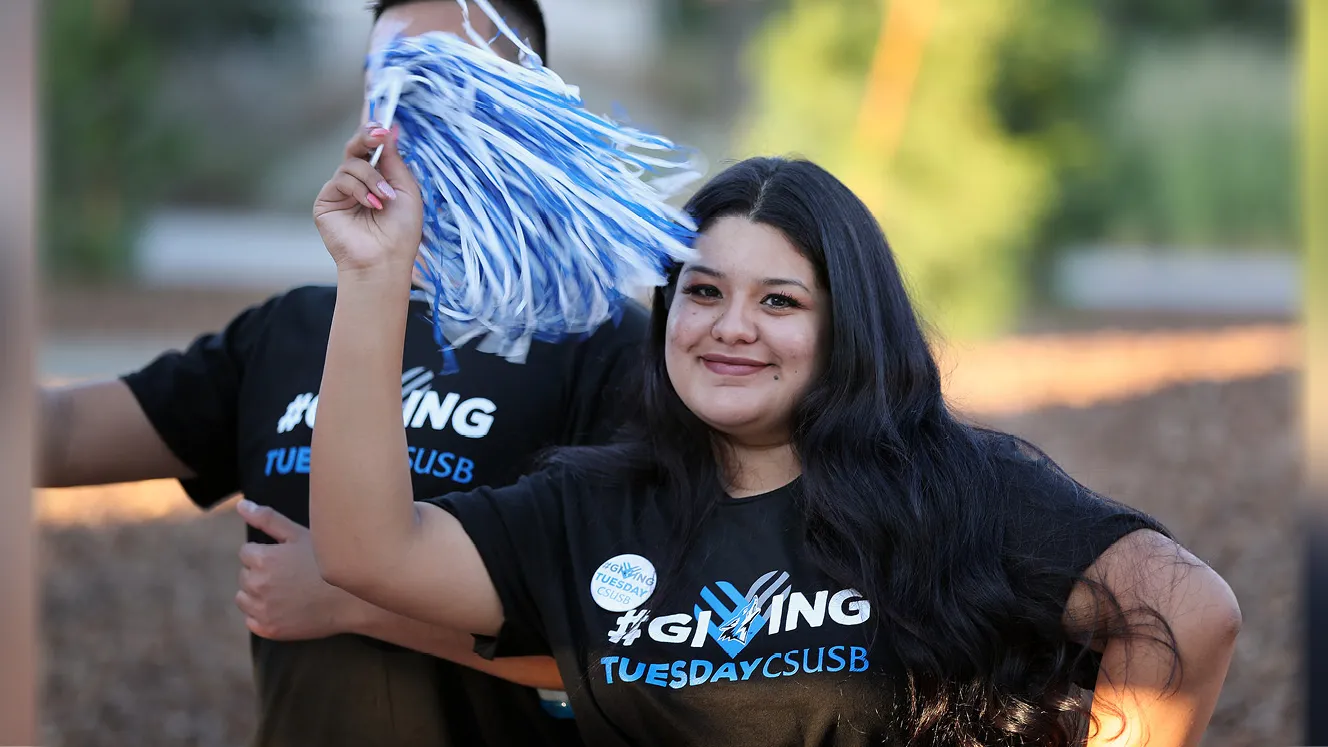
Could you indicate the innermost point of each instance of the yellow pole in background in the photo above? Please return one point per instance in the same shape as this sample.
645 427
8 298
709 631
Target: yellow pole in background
18 588
1313 38
906 25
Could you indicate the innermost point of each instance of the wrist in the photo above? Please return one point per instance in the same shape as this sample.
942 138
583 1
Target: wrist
384 276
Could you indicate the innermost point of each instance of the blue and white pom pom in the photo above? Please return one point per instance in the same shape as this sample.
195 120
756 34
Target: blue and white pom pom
540 218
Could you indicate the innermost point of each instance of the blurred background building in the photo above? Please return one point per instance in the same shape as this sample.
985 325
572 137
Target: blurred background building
1094 202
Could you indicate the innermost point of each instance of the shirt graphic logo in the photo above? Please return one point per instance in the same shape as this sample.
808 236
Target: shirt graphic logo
622 583
741 616
729 618
295 413
421 406
629 627
733 620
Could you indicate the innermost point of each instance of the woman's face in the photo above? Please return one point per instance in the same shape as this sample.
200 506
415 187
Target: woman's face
744 330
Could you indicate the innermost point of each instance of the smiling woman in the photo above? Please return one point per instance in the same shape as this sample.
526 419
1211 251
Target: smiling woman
744 330
792 515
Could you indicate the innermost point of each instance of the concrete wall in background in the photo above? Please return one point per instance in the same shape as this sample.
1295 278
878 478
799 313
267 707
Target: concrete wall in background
232 249
590 39
1128 279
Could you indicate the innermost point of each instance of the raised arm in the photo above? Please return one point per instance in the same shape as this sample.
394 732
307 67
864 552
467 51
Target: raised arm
369 537
1147 694
96 433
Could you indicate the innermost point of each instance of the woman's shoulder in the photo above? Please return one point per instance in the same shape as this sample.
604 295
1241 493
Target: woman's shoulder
1034 481
1051 516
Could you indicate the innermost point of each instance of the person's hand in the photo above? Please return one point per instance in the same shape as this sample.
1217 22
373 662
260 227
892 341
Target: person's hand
369 218
282 595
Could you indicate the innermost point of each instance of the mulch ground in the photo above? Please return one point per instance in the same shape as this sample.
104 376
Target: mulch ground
143 646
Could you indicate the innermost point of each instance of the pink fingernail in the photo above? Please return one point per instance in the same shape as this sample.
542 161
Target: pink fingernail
386 189
377 203
379 132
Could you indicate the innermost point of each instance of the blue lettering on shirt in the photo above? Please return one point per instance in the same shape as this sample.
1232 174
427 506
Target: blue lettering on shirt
697 672
440 464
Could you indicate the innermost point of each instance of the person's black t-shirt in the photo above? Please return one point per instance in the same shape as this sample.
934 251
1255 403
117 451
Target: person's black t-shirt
751 643
238 408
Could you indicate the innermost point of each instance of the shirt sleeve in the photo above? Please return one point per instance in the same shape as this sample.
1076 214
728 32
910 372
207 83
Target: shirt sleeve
191 397
1059 528
604 377
520 534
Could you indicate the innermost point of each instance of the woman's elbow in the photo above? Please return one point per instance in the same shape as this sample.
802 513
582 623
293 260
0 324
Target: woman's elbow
337 564
1214 622
336 568
1224 618
360 563
353 577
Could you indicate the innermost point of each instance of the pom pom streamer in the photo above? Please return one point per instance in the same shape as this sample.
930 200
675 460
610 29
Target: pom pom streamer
540 218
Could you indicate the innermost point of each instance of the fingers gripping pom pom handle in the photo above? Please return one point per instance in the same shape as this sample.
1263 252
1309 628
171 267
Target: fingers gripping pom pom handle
390 83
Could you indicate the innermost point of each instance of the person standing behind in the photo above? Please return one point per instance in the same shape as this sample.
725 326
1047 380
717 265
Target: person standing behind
235 412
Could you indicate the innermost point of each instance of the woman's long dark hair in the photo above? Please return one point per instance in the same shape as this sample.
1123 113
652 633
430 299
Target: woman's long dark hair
902 500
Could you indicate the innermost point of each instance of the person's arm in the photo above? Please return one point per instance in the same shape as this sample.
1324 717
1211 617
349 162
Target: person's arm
369 536
176 417
284 599
97 433
453 645
1147 694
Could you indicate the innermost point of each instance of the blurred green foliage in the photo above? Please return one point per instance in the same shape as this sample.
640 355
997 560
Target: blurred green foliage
960 197
1179 19
109 152
1036 124
1181 119
1202 145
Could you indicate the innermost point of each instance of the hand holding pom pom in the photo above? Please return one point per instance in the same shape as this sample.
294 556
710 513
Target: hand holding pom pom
371 218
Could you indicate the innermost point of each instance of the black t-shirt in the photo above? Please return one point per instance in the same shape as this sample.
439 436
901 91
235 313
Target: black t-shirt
752 643
238 408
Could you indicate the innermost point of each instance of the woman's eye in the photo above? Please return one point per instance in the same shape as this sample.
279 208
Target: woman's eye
778 301
702 291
